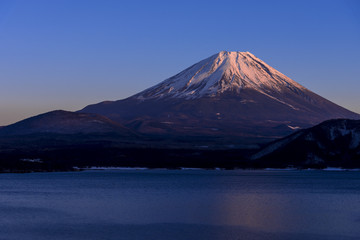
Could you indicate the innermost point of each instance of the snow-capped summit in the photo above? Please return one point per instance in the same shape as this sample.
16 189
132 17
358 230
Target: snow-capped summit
222 72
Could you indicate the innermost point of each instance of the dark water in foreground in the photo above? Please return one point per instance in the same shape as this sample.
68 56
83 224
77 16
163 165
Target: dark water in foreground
187 204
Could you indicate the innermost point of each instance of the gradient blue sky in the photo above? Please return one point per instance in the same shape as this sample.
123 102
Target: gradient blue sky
68 54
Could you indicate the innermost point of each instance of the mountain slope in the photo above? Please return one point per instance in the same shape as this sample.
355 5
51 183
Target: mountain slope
230 94
333 143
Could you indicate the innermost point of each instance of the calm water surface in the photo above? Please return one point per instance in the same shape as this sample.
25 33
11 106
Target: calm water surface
186 204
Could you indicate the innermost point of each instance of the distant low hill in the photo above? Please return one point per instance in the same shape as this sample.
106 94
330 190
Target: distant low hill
64 122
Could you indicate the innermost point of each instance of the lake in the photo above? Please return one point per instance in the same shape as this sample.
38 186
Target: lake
180 204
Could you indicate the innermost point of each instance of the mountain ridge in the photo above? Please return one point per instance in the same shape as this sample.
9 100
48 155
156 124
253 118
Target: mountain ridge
332 143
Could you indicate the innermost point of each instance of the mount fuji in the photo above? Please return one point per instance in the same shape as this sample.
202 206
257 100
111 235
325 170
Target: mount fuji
230 97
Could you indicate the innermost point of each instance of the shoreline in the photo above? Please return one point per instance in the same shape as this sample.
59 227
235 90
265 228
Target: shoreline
81 169
330 169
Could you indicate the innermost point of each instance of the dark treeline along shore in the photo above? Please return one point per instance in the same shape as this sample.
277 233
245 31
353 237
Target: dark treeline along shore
231 110
308 148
